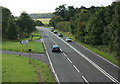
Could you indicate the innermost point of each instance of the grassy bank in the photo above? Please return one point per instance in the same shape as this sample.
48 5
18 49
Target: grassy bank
18 69
106 55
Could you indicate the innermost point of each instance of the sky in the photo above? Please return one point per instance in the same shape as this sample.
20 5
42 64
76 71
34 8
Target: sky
47 6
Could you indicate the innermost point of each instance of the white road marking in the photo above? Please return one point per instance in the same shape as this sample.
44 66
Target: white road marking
65 55
76 68
91 62
53 70
99 56
85 79
69 60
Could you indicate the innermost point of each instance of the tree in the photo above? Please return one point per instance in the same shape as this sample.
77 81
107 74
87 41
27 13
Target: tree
39 23
25 23
64 26
95 27
12 30
6 15
60 11
108 18
81 20
53 22
9 27
114 30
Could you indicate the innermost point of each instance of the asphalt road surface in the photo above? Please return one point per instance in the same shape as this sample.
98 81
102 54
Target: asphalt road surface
76 64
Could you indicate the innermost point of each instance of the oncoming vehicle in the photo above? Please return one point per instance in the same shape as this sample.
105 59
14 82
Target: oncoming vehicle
68 39
60 35
52 29
56 48
55 32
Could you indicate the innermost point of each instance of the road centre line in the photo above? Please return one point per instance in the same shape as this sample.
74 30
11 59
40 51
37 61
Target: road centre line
76 68
85 79
53 70
71 62
65 55
90 61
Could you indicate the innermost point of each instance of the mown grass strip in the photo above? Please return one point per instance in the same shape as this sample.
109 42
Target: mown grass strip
18 69
34 36
99 52
36 47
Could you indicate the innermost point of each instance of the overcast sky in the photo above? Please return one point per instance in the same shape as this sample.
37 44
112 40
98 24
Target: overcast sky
45 6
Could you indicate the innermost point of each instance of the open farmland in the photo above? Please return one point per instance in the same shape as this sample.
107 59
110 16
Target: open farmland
44 20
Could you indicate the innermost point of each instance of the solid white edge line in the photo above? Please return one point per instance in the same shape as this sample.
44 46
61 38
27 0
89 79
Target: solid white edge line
90 61
69 61
76 68
85 80
99 56
51 63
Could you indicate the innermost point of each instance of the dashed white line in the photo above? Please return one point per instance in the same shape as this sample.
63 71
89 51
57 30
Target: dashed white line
65 55
69 60
76 68
53 70
91 62
85 79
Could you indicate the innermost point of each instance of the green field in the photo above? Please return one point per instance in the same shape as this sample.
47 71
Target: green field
45 20
18 69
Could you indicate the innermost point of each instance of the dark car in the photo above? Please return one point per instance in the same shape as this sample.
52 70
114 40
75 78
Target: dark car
55 32
60 35
56 48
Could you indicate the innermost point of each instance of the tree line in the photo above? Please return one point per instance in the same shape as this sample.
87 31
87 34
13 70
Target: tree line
93 26
21 26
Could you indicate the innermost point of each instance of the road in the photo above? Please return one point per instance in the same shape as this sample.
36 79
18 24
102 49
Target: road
76 63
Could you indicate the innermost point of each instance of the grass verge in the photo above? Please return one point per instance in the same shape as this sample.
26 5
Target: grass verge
18 69
99 52
36 35
36 47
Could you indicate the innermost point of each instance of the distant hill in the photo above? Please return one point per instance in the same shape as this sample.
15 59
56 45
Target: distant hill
41 15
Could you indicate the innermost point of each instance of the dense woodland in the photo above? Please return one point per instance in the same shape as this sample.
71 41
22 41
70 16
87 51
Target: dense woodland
96 26
12 27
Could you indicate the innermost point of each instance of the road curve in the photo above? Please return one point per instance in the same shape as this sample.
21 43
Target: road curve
76 63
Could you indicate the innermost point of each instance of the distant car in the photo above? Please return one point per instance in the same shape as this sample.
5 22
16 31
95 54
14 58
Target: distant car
60 35
56 48
52 27
68 39
55 32
52 30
